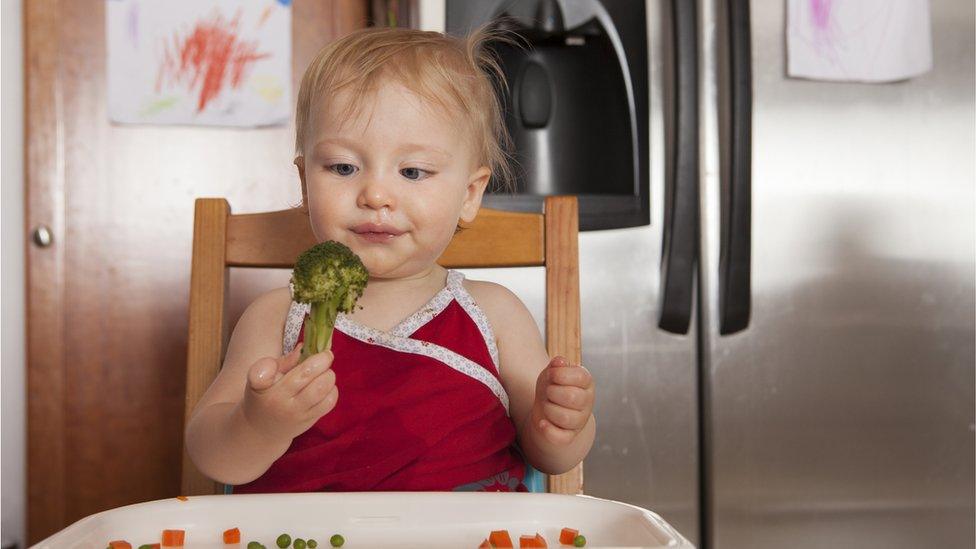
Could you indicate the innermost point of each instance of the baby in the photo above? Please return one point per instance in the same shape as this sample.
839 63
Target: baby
437 382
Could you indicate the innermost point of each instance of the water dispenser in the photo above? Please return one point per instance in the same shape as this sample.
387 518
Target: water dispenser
577 102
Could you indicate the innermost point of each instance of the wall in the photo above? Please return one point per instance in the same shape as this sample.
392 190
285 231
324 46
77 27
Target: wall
12 363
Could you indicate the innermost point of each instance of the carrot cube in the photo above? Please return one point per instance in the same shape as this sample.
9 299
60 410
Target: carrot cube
567 536
182 498
532 541
232 536
485 544
500 538
120 544
173 538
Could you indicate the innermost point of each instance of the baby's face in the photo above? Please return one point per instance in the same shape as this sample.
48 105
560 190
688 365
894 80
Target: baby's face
392 182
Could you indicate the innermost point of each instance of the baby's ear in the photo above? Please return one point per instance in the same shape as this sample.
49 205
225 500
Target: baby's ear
300 163
474 192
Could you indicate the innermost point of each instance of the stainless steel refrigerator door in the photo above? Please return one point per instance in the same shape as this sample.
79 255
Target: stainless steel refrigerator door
843 416
646 450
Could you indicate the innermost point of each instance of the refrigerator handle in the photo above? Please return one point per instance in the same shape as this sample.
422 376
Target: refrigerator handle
680 240
736 249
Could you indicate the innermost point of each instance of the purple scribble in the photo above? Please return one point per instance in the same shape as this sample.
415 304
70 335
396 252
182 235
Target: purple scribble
823 29
134 24
821 13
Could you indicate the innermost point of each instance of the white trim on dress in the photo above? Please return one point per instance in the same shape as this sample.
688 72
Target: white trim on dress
399 339
479 317
425 348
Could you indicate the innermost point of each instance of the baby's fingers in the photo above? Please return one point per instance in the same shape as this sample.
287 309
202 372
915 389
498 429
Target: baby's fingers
316 390
556 435
569 396
576 376
287 362
325 405
300 376
564 418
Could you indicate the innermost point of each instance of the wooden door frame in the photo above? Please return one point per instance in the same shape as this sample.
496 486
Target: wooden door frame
44 201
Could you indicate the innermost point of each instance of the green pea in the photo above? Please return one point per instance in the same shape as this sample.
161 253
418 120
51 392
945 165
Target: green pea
579 541
146 546
254 545
312 544
284 540
337 540
299 543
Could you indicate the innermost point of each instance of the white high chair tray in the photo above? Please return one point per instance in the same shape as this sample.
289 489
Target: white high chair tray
373 519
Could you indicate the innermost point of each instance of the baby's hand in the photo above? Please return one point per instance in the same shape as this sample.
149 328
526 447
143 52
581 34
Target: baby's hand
563 401
283 399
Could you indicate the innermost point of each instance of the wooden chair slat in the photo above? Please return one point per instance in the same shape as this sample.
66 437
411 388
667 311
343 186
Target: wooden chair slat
494 239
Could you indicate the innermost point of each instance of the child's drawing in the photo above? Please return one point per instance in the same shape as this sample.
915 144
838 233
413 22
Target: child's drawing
199 62
859 40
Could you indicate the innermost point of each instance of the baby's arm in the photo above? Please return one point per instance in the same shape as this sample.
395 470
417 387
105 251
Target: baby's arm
258 404
551 402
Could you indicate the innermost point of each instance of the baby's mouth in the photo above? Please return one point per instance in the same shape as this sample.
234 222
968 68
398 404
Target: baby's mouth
376 232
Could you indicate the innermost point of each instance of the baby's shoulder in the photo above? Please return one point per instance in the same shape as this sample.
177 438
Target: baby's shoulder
512 324
254 333
498 302
271 306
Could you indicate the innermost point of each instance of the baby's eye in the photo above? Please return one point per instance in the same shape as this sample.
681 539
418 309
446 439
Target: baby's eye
415 173
343 169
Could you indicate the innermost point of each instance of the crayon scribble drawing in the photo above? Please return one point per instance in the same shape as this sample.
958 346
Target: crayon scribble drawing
858 40
199 62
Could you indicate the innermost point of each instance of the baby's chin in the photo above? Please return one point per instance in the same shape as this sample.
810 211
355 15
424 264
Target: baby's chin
392 270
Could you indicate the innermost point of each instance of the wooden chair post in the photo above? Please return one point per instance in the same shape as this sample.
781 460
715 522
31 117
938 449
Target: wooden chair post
563 303
208 332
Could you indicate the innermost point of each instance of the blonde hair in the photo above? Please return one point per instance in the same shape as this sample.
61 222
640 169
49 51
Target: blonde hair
460 75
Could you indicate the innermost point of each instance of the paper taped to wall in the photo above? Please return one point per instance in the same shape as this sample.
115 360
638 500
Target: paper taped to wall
858 40
199 62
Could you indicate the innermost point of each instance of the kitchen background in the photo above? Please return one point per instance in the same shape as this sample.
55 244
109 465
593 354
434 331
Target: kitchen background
836 409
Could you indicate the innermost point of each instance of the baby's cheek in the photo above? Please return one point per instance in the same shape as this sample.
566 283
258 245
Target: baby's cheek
323 232
445 240
441 233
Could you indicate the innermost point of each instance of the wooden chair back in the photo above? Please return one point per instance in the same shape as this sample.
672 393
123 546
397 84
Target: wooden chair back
274 239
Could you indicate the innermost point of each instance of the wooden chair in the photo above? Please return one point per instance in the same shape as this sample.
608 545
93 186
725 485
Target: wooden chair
275 239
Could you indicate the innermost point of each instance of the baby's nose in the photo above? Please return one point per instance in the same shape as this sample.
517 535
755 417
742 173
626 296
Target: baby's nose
376 194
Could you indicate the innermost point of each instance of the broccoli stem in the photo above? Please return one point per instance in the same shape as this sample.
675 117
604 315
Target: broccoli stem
318 329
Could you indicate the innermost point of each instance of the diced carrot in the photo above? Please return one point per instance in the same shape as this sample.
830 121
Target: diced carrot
182 498
232 536
173 538
120 544
567 536
532 541
485 544
500 538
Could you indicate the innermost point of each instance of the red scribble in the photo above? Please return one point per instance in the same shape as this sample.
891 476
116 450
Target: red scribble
210 57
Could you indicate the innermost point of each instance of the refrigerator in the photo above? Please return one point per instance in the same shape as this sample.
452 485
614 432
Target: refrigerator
823 393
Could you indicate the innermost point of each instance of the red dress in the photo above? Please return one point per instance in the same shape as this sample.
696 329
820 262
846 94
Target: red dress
420 407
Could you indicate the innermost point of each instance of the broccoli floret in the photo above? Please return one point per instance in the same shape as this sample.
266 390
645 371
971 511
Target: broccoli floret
330 277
